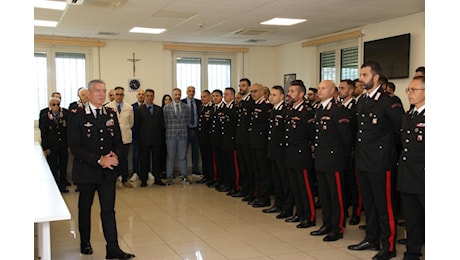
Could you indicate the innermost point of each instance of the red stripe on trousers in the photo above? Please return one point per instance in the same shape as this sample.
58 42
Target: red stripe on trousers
310 195
237 170
391 219
214 166
360 197
338 184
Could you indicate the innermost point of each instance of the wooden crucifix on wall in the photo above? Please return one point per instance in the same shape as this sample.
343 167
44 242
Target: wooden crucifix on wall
134 60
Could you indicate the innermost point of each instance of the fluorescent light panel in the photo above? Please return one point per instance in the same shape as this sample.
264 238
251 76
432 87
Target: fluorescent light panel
147 30
45 23
55 5
283 21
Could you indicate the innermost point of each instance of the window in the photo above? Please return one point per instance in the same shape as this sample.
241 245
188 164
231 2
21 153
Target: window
335 67
203 71
62 71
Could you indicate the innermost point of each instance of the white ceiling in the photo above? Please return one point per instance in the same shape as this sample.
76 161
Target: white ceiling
216 21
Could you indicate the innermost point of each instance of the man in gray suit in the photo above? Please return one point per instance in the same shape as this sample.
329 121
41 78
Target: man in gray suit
177 117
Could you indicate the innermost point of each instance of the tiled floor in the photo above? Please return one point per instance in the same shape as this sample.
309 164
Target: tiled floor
195 222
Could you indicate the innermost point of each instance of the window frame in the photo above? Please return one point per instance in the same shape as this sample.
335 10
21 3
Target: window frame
50 52
337 47
204 56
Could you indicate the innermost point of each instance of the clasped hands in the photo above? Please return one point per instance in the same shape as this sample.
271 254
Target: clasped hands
109 160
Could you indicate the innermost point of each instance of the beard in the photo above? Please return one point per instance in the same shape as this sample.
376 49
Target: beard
368 85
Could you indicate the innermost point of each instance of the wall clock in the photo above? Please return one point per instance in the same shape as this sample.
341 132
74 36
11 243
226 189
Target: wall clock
134 84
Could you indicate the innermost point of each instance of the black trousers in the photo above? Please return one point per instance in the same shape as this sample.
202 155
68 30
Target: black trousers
353 192
414 213
150 155
217 164
57 162
281 186
106 194
206 161
330 190
229 168
377 190
123 163
245 167
303 194
262 174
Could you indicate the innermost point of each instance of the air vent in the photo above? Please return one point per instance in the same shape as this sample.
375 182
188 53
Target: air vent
97 3
255 41
108 33
245 32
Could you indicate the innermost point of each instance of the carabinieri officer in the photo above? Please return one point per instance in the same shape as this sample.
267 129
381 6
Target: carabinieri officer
95 142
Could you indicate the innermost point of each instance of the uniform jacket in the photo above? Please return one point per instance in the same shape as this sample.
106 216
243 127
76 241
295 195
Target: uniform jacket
205 124
260 119
176 125
379 122
411 166
229 127
89 139
54 133
332 138
134 130
244 112
126 120
276 133
217 124
299 137
150 127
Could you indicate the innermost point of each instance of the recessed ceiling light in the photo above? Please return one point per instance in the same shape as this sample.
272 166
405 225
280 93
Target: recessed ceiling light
147 30
283 21
45 23
55 5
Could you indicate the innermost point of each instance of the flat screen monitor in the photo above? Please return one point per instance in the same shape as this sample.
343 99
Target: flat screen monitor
391 53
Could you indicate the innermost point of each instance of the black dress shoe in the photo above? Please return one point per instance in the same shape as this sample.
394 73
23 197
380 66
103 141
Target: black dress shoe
354 220
143 184
238 194
362 227
65 190
160 183
293 219
68 184
306 224
248 198
261 204
273 209
283 215
384 255
365 245
332 237
86 249
323 230
118 254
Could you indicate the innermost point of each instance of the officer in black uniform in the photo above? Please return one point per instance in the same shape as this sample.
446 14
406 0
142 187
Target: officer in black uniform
228 148
216 138
379 122
284 200
332 153
411 169
352 191
244 112
53 131
258 139
298 154
95 141
204 131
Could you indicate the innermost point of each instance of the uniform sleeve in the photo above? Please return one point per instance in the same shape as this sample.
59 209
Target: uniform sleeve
44 131
396 113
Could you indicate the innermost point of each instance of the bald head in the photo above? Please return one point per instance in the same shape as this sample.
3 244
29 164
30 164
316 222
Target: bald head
326 89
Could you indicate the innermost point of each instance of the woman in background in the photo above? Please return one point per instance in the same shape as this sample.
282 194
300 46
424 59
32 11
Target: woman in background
166 100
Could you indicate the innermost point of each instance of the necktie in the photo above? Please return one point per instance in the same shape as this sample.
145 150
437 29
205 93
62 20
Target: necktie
150 109
177 110
98 113
415 114
56 118
192 111
119 108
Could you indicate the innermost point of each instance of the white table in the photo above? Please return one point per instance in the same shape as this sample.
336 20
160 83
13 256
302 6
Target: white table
48 203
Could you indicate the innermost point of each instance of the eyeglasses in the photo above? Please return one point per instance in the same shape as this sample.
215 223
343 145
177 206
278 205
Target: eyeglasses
411 90
58 104
254 91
